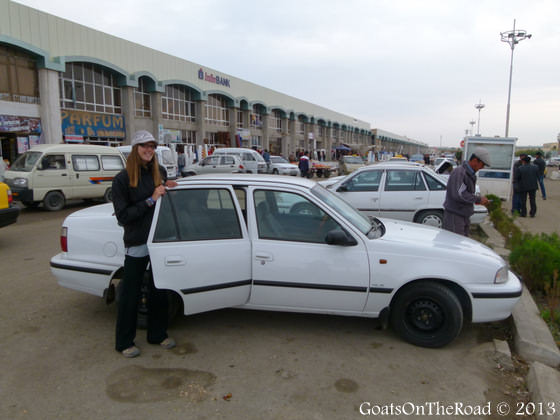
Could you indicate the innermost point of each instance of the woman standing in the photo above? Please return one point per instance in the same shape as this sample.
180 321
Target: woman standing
135 192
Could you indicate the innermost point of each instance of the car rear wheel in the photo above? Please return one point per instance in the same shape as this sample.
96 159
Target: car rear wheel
54 201
431 218
108 196
427 314
275 171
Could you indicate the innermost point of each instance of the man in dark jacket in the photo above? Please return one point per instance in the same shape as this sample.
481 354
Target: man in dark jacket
461 193
526 179
515 200
541 164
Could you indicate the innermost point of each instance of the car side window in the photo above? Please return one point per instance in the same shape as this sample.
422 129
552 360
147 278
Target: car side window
85 163
112 163
434 184
248 157
404 180
227 160
365 181
285 216
197 215
50 162
211 160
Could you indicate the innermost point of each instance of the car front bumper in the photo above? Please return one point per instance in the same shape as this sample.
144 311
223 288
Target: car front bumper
8 216
494 302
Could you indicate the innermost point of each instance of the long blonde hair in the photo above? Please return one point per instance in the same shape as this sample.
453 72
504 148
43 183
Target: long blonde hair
133 165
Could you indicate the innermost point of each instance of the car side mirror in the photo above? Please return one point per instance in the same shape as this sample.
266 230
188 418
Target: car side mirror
342 188
340 237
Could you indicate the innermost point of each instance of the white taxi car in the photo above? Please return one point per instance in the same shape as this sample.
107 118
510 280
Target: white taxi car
288 244
280 166
399 190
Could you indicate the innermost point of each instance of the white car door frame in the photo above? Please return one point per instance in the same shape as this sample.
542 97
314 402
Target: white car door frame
367 200
403 204
208 274
317 277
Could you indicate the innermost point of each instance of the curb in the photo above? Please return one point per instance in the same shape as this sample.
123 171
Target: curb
544 383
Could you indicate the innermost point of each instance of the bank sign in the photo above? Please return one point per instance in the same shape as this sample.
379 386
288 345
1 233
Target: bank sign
89 124
202 75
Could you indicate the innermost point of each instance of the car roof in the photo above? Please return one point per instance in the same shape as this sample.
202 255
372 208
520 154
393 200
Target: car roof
63 148
243 179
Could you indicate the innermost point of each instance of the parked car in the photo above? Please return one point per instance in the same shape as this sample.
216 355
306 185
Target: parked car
252 160
288 244
165 156
405 191
53 173
418 158
281 166
553 161
8 212
348 164
215 164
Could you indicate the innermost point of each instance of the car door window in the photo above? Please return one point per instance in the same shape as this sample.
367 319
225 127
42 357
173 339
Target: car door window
434 184
227 160
50 162
404 180
111 163
248 157
364 181
288 216
85 163
211 160
196 215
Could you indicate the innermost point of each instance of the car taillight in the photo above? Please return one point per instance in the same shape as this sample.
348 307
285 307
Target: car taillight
64 239
10 197
241 167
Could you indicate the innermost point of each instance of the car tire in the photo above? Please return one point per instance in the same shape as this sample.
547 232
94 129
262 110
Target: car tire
54 201
275 171
108 196
430 218
427 314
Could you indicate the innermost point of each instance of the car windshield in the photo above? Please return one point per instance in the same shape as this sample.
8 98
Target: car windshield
278 159
26 162
353 159
357 219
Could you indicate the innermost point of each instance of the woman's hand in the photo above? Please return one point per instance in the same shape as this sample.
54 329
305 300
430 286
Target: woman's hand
158 192
170 184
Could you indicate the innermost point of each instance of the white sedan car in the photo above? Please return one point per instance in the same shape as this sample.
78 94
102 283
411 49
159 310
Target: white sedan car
405 191
281 166
288 244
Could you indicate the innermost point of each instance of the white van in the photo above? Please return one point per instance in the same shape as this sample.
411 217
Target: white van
165 156
252 160
54 173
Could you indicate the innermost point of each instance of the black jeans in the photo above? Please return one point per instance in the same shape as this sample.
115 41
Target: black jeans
532 202
134 269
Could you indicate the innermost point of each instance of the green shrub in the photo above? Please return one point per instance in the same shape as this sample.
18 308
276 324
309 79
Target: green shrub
502 222
535 258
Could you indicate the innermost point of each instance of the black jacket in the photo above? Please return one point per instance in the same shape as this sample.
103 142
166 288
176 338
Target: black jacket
541 164
526 178
131 209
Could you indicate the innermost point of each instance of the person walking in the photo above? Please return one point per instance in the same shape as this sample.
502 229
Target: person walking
541 164
136 189
304 165
181 161
527 179
461 196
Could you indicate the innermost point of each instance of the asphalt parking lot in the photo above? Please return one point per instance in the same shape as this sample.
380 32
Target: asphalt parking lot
59 363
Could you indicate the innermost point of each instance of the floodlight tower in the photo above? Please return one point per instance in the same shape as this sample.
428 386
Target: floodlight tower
479 106
472 123
512 38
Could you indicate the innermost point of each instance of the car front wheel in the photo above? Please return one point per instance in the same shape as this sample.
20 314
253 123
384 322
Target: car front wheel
427 314
54 201
431 218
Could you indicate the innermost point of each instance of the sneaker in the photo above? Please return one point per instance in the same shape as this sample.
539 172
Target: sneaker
168 343
130 352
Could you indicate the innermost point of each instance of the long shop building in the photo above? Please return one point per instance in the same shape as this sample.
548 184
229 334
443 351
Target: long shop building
64 82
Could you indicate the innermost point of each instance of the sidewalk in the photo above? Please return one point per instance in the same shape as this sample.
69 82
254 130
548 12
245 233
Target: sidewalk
533 340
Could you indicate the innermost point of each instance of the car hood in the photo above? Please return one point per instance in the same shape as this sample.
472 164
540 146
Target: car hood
99 210
285 165
427 239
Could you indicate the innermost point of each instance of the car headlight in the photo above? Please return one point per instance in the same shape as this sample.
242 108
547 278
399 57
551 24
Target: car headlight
502 275
20 182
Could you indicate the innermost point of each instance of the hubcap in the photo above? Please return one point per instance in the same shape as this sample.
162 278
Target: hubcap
425 315
432 220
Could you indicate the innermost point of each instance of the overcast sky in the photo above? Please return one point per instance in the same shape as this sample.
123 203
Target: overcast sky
411 67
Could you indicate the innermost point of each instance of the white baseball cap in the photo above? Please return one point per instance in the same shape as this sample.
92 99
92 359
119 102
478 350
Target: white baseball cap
141 137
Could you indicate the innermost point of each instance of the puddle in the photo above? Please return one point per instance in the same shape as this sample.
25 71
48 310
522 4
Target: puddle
185 348
346 385
140 385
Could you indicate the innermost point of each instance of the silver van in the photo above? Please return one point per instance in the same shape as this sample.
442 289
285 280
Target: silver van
53 173
252 160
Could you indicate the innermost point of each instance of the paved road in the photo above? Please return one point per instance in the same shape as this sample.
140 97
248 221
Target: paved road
58 362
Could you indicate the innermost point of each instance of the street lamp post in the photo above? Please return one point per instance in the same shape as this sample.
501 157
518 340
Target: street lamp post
479 106
512 38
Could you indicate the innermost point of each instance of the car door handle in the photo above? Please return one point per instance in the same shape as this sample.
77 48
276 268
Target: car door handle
63 174
375 199
174 260
418 198
263 257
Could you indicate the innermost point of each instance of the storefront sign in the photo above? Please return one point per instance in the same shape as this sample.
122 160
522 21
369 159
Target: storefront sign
202 75
15 124
90 124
